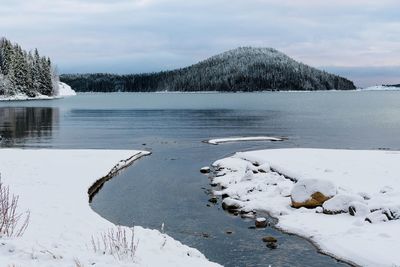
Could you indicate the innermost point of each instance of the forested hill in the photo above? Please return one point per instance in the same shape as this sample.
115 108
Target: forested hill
241 69
25 73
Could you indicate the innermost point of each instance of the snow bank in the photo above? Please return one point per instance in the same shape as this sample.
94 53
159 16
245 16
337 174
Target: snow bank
242 139
368 187
53 185
65 90
380 88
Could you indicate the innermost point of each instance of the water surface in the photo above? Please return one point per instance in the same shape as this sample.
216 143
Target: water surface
167 187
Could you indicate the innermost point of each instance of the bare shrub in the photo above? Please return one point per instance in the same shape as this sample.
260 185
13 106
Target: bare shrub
78 263
118 242
12 223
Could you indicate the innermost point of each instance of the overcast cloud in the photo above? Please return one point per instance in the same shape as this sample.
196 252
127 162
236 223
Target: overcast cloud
356 38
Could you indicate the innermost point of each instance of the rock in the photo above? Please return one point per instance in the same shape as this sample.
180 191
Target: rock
213 200
311 193
208 205
261 223
377 217
358 209
231 204
340 203
269 239
272 245
205 170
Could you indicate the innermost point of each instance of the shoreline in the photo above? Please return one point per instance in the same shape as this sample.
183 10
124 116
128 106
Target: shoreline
53 186
262 180
98 184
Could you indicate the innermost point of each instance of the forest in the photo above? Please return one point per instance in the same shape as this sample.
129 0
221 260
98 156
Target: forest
25 73
243 69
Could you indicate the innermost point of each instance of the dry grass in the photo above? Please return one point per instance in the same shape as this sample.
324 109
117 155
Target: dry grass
12 223
118 242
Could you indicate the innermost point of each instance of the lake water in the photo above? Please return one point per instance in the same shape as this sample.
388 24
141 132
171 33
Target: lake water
167 186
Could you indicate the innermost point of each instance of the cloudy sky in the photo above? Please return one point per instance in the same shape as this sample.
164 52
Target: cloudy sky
359 39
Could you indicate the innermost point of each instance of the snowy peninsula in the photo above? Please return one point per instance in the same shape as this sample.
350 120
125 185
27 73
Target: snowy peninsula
63 230
346 202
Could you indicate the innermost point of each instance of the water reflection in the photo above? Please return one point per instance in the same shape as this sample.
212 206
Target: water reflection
19 125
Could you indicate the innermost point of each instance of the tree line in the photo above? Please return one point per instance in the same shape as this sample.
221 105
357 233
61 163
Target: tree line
26 73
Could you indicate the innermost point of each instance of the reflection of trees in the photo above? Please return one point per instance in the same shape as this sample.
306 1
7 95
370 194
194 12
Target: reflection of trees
17 124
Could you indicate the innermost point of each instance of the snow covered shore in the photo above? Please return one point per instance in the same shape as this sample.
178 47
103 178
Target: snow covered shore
53 186
243 139
380 88
64 90
366 180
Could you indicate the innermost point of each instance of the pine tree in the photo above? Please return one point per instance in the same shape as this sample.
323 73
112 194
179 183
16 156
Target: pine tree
22 72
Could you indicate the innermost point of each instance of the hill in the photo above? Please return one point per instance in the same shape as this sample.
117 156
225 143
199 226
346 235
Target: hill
242 69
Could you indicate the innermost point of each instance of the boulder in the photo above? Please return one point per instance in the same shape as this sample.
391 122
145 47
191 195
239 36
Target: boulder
205 170
340 203
261 222
358 209
377 217
311 193
231 204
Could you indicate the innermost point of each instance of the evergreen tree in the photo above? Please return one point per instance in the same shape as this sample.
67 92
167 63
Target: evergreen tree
25 73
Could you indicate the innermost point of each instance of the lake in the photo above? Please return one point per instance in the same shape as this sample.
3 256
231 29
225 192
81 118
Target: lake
167 186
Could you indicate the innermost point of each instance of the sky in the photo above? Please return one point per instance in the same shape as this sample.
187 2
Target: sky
359 39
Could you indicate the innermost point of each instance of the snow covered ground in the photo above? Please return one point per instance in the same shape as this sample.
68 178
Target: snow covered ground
23 97
380 88
242 139
53 186
367 182
65 90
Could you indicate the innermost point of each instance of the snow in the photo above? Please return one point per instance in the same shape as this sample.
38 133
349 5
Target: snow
342 202
380 88
240 139
53 186
65 90
367 182
23 97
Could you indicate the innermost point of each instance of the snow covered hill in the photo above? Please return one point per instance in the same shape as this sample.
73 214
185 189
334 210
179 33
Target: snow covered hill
242 69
